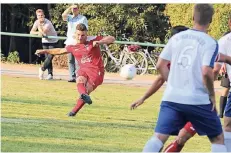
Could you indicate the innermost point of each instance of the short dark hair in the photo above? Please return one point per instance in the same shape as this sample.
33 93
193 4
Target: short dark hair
178 29
203 13
229 16
81 27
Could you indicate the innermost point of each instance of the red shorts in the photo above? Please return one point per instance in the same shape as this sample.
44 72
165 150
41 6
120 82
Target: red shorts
94 76
189 128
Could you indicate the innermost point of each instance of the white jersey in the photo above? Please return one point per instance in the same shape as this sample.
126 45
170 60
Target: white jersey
188 52
72 22
225 48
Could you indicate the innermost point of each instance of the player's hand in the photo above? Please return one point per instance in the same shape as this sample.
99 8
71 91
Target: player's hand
40 51
213 101
136 104
96 43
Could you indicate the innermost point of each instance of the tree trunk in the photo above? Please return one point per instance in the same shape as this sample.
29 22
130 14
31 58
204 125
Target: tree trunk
12 28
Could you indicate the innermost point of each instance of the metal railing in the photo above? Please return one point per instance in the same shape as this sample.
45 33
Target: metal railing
63 38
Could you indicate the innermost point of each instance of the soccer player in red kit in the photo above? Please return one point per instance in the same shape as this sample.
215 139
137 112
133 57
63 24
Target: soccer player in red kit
91 68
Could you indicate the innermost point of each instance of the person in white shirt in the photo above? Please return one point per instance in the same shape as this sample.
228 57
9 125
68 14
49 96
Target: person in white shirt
189 95
225 48
44 27
72 21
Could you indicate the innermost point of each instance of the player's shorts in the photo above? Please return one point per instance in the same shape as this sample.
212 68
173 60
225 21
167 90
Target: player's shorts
173 117
190 129
94 76
228 106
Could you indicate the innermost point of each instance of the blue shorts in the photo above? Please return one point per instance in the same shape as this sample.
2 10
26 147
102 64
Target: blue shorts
173 117
228 106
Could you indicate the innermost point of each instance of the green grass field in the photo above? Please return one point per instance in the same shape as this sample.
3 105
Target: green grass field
33 118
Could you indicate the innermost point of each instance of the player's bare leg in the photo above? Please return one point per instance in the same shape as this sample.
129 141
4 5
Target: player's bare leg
84 89
184 135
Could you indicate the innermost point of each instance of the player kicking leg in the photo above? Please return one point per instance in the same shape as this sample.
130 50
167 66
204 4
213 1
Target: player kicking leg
87 81
91 67
183 136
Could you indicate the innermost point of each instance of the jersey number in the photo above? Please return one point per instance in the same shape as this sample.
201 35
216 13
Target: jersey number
185 58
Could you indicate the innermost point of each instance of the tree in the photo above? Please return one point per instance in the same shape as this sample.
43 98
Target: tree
16 18
143 22
181 14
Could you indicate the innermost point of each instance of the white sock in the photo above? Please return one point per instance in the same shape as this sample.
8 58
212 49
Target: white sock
218 148
227 136
153 145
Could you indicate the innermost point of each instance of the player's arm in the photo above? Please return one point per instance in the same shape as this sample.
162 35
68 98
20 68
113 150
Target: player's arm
208 79
105 40
53 51
208 61
224 58
164 60
155 86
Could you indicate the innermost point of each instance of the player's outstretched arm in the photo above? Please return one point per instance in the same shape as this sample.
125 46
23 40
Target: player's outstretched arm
155 86
53 51
105 40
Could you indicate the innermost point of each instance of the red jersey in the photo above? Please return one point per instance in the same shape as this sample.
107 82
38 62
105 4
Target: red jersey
87 55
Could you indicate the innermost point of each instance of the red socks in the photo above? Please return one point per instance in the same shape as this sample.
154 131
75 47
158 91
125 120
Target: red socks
173 147
82 90
78 106
190 129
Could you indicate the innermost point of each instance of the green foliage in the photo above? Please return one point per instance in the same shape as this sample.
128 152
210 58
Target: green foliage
143 22
181 14
56 18
220 20
13 57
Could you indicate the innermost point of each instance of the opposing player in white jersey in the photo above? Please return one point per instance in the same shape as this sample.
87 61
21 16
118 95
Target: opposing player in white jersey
189 95
225 48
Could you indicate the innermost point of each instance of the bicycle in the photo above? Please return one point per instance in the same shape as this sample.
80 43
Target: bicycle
113 61
152 58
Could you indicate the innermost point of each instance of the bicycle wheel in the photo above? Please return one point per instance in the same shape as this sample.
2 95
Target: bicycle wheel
139 60
112 65
104 58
